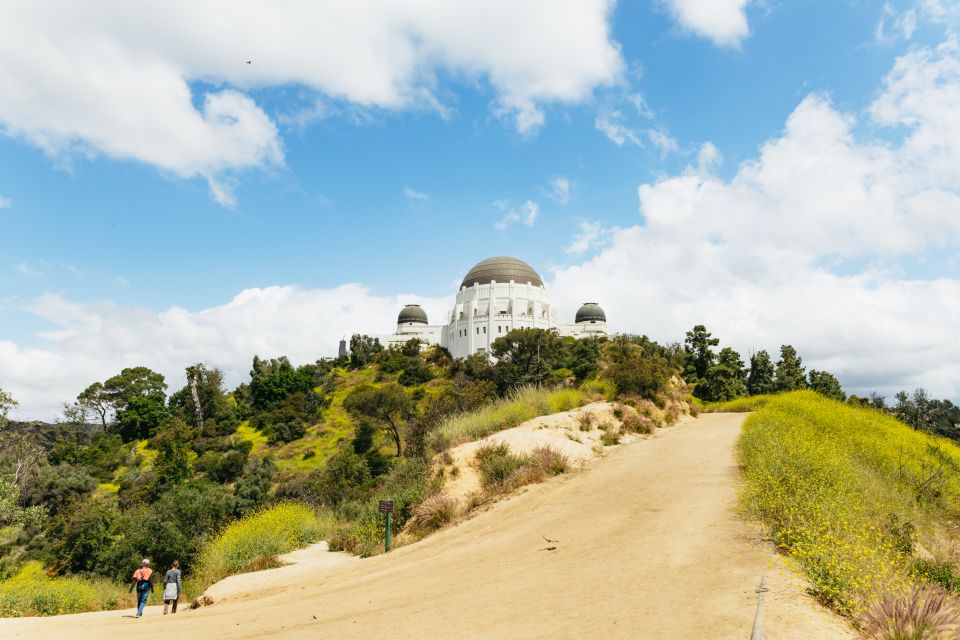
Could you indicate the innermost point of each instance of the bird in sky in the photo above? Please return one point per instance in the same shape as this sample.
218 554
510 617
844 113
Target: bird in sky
249 61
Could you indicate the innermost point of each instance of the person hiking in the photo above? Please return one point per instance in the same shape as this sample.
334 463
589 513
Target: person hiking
143 583
172 587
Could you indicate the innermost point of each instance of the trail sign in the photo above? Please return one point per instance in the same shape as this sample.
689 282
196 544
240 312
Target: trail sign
386 506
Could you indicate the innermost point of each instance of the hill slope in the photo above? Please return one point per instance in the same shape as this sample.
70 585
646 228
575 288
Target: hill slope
647 545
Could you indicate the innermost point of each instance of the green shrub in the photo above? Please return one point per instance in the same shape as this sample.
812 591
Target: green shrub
245 544
738 405
32 593
845 492
610 437
602 387
497 464
524 404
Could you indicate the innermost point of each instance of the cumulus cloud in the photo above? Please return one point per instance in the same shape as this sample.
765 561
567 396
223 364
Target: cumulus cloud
415 195
756 257
526 213
120 79
722 21
560 190
90 342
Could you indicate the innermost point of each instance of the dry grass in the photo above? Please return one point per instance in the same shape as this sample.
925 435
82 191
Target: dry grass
585 421
923 613
637 424
434 512
610 437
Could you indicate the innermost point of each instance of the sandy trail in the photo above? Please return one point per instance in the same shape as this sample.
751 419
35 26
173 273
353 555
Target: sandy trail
647 544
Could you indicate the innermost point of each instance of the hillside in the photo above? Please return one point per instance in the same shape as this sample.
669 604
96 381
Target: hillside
647 545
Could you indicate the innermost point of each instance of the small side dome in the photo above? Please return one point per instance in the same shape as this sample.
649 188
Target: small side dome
412 313
591 312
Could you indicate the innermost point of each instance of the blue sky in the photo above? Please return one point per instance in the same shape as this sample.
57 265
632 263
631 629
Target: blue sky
402 193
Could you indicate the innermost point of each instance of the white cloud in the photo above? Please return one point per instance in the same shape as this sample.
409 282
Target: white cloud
415 195
663 141
93 341
560 190
526 214
5 203
611 124
114 78
747 256
722 21
122 281
893 26
589 236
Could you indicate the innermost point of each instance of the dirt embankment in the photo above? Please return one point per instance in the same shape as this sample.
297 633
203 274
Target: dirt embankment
646 545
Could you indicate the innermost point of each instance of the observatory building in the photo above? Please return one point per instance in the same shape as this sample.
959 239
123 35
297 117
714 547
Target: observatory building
496 296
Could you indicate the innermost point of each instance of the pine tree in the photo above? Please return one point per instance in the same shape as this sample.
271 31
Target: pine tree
699 354
790 373
760 380
824 383
725 380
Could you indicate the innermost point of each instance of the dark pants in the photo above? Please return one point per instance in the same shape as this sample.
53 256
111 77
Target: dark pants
170 602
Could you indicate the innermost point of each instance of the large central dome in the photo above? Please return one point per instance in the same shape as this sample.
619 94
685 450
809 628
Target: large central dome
501 269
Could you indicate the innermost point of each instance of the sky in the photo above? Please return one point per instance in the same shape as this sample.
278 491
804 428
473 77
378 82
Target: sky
184 182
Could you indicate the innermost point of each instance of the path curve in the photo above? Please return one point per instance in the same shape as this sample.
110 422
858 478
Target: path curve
647 546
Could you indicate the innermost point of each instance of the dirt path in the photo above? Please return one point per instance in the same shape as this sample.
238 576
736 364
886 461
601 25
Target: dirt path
647 546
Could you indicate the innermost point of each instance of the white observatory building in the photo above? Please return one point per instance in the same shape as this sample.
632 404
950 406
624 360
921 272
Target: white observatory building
496 296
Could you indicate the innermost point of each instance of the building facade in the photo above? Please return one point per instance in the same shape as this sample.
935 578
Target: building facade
496 296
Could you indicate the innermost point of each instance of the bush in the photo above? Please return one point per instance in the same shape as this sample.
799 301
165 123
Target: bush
524 404
610 437
32 593
601 387
497 464
253 541
585 421
549 460
636 424
845 492
738 405
434 512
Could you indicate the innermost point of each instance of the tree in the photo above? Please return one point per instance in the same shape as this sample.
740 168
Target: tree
388 406
194 372
824 383
362 349
725 380
272 381
172 464
790 374
141 416
219 416
6 404
132 383
583 358
633 371
940 417
253 487
760 378
527 356
699 354
94 398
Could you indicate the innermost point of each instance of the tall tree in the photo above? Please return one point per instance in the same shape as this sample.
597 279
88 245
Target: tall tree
725 380
362 349
527 356
389 406
134 382
826 384
760 379
172 463
700 356
790 373
95 399
6 404
194 372
141 416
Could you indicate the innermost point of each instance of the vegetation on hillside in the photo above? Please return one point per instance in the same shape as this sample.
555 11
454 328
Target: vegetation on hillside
864 504
133 472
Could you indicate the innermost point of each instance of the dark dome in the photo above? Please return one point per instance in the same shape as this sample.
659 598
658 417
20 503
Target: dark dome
501 269
591 312
412 313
